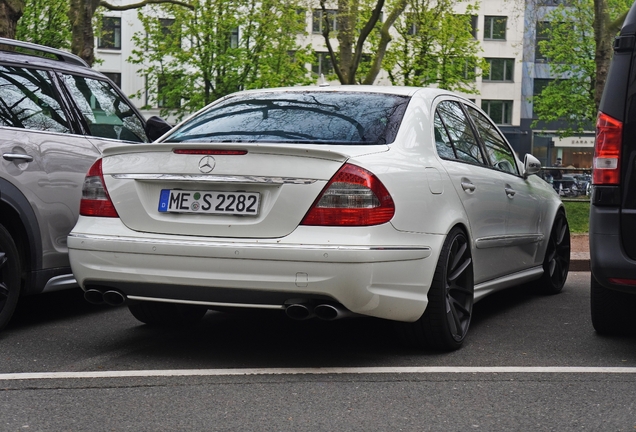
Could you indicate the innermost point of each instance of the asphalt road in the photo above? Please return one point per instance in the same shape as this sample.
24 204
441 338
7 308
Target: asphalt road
530 362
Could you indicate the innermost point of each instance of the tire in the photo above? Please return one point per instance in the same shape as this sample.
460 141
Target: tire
10 276
556 263
445 321
612 311
167 314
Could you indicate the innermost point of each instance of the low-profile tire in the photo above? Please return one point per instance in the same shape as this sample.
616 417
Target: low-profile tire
612 311
556 263
167 314
10 276
445 321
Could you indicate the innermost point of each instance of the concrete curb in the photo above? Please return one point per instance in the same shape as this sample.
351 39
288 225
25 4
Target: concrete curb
579 261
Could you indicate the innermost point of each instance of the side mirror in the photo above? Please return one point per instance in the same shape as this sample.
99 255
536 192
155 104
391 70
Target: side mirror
156 127
531 165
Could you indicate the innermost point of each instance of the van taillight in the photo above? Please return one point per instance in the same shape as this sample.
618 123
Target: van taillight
607 151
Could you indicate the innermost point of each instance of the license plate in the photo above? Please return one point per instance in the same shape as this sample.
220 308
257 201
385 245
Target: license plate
209 202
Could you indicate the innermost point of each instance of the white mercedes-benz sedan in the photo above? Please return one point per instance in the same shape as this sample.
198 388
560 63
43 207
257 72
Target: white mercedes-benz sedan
406 204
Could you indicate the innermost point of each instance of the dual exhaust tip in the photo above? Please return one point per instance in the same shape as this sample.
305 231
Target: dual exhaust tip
327 311
110 297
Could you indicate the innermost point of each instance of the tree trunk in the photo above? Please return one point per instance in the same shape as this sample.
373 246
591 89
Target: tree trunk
10 13
603 52
81 14
347 17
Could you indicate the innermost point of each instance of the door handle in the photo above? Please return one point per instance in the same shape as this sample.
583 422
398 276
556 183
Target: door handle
17 157
468 186
510 192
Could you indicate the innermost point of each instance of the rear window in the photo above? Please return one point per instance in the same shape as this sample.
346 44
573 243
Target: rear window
345 118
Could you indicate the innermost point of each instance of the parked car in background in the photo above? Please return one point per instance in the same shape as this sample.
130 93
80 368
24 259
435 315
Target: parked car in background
567 186
406 204
56 117
613 201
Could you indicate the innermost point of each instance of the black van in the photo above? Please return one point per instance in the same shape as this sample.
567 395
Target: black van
613 201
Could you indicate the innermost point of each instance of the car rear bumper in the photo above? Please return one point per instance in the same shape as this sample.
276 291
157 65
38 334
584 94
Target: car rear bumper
608 260
386 280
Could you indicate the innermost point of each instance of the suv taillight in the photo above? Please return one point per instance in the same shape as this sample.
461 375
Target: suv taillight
95 199
353 197
607 150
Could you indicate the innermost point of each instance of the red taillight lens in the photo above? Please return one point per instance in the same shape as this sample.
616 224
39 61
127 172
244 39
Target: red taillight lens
353 197
607 151
95 200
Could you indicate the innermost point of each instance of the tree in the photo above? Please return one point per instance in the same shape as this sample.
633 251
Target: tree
10 13
81 13
356 21
435 45
193 57
45 22
576 41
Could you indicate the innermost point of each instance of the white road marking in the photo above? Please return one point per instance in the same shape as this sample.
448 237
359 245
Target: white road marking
316 371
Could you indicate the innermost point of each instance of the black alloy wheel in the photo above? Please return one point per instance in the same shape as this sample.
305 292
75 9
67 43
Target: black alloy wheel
10 277
556 263
446 319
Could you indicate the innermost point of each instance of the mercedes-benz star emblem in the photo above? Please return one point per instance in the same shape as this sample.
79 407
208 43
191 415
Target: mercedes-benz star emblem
206 164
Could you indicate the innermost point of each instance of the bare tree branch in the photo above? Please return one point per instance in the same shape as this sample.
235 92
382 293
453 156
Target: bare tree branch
142 3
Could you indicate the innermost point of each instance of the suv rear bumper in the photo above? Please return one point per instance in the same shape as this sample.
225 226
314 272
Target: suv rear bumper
608 259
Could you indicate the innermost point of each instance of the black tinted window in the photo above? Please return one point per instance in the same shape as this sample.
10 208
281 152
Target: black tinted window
106 112
497 149
460 133
299 117
28 101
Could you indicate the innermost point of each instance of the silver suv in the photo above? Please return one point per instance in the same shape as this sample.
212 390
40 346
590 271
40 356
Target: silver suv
56 117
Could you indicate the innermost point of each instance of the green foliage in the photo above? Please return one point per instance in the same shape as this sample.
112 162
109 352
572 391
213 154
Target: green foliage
568 44
435 46
578 213
45 22
197 56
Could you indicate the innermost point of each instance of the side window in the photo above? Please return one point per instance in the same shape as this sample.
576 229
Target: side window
28 101
460 133
497 149
106 113
442 141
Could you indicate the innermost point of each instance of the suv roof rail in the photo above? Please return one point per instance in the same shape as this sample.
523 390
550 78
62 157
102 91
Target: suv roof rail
59 54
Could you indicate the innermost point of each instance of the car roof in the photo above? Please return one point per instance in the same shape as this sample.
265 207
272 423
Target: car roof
65 62
393 90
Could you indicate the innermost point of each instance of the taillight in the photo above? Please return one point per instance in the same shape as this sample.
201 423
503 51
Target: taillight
353 197
607 151
95 200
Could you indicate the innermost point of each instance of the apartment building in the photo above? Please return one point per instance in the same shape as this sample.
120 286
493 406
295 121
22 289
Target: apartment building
507 34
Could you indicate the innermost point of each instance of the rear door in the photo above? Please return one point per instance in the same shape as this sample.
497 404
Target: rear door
43 155
479 187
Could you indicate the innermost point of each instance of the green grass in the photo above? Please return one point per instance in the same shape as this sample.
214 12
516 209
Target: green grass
578 213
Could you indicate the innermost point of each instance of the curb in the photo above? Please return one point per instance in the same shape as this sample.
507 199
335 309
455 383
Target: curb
579 261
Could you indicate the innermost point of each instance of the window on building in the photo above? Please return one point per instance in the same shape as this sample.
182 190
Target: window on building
539 84
500 111
500 69
110 36
301 16
543 29
472 21
319 20
166 95
234 38
322 64
114 77
495 27
411 24
169 30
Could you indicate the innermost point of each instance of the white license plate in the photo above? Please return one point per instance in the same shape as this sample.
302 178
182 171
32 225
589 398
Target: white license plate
210 202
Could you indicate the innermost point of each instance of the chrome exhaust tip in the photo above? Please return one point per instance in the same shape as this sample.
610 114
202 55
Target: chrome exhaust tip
298 311
330 312
114 298
94 296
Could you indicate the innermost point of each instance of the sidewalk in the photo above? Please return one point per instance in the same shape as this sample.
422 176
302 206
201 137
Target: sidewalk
579 252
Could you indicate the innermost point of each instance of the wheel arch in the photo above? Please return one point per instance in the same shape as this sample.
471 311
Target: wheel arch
17 215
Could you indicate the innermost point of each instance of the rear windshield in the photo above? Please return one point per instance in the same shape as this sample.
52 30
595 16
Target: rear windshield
345 118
